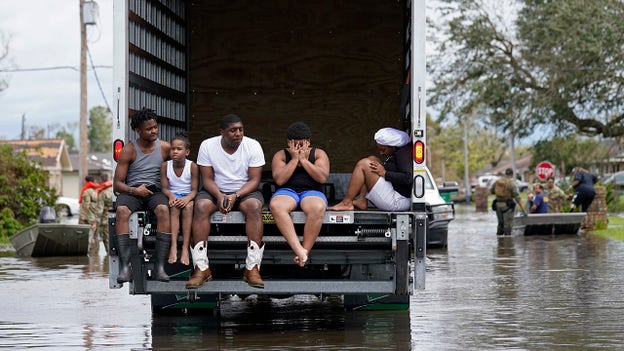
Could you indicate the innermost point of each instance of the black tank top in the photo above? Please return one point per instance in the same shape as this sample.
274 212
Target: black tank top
300 180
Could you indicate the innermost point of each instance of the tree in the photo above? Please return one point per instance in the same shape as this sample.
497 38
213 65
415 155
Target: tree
37 132
70 141
67 133
556 65
569 152
485 148
100 129
23 190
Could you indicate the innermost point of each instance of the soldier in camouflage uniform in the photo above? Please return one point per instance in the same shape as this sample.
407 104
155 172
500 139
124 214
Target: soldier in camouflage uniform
104 204
88 211
507 196
555 195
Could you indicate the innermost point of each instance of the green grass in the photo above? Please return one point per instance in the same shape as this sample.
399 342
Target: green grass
617 205
615 229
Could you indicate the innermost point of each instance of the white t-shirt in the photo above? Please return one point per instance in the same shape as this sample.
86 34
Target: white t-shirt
230 171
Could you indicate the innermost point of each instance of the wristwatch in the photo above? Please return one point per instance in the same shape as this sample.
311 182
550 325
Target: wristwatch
237 195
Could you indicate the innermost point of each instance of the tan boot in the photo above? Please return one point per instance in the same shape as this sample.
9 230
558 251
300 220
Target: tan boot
202 272
252 266
253 278
198 278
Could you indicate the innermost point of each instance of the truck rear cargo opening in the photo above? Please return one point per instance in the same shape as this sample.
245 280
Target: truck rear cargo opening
346 68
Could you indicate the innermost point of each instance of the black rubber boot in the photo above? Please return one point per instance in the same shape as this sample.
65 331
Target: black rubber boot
163 243
124 246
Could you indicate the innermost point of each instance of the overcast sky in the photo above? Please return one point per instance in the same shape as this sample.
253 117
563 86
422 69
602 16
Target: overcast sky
46 34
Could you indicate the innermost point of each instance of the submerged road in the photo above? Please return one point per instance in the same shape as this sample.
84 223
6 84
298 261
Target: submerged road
483 292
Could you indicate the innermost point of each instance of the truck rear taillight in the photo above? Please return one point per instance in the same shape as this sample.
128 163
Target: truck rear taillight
117 146
419 152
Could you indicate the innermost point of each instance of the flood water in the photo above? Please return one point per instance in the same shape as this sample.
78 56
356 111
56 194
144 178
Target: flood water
483 292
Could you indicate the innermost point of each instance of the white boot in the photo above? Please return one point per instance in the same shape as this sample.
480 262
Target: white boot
201 273
254 255
200 255
252 265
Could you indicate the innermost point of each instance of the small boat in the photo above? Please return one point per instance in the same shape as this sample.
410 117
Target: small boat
52 239
549 223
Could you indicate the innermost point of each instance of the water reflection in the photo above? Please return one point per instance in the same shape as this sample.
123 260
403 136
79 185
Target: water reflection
63 303
483 292
542 292
299 323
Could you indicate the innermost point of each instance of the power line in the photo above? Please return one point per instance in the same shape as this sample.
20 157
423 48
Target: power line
97 79
51 68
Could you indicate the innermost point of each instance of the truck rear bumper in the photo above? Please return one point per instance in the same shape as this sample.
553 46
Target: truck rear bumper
275 287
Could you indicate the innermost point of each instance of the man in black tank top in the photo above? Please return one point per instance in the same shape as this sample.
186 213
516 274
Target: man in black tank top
137 184
299 172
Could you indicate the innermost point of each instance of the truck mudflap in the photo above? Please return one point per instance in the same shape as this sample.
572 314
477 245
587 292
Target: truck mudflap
358 253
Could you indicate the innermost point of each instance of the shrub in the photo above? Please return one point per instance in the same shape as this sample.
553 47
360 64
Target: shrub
8 224
23 190
616 205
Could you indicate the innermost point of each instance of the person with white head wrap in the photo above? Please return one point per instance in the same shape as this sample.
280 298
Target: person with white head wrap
392 137
386 184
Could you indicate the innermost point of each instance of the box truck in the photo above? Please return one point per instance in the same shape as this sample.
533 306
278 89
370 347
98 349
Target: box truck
345 68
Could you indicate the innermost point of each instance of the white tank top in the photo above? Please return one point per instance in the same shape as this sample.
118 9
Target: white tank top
181 184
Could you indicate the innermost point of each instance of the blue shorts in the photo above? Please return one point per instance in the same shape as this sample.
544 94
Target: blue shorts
299 196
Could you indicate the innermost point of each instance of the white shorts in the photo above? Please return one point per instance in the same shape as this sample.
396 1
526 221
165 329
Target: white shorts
384 197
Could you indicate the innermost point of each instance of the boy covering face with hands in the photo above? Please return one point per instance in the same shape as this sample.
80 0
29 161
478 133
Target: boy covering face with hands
299 172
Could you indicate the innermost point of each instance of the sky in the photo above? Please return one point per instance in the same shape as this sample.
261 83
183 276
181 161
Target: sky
44 34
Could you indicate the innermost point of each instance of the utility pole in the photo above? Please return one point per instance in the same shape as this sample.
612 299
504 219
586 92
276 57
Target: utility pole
513 147
23 135
466 165
83 154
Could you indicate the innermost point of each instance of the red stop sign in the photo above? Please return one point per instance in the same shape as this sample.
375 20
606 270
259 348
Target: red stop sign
544 170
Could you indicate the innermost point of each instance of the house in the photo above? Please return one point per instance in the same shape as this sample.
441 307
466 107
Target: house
62 167
614 163
522 168
52 154
97 163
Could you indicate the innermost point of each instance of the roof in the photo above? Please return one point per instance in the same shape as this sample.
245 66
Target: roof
51 153
522 164
97 161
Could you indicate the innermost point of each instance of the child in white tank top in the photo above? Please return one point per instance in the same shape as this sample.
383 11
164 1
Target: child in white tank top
180 182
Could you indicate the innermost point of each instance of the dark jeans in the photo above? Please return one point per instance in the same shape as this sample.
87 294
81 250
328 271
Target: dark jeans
584 200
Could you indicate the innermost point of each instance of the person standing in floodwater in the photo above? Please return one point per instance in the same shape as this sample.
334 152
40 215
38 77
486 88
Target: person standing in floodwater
507 196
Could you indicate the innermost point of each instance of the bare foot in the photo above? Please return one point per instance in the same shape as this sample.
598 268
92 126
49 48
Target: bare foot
361 204
173 255
342 206
184 259
302 258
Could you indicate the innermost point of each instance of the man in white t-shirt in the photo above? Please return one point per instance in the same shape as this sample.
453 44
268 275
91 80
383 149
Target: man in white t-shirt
231 168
